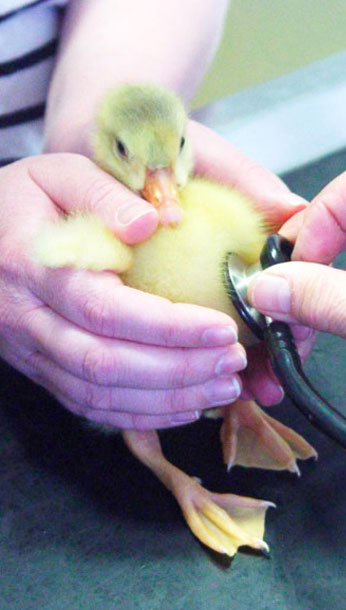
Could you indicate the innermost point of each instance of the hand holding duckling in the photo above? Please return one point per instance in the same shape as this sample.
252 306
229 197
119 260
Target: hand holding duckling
106 351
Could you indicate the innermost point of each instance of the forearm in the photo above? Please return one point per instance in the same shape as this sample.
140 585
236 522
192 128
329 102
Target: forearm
104 42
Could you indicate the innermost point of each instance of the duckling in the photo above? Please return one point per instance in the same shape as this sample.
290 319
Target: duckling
141 140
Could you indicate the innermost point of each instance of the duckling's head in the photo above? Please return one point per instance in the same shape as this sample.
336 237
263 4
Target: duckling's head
141 140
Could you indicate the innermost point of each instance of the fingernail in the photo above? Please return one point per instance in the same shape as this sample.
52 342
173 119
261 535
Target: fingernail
278 389
301 333
219 336
231 362
274 394
129 212
185 417
222 391
271 294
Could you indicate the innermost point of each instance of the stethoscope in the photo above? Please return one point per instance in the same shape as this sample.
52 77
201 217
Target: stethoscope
279 341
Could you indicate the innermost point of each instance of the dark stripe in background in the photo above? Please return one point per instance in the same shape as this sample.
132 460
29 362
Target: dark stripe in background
22 116
20 8
8 160
29 59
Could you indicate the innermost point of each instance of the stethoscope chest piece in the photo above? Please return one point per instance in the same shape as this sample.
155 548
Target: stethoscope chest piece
238 276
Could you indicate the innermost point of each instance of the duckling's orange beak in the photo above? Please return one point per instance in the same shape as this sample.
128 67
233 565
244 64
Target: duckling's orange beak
161 190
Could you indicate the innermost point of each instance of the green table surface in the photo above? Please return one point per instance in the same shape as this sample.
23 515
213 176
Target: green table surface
85 526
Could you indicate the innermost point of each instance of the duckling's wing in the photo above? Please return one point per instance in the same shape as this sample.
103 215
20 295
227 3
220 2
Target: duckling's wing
81 241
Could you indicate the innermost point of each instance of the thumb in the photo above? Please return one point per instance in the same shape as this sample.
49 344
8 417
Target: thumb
302 293
74 183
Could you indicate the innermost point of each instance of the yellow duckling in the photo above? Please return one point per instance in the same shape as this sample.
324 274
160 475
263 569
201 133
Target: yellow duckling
141 140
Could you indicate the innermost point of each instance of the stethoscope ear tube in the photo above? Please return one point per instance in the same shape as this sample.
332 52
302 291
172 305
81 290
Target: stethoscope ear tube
279 341
287 366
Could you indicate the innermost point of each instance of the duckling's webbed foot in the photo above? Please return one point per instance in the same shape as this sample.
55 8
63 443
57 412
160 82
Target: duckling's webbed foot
252 438
224 522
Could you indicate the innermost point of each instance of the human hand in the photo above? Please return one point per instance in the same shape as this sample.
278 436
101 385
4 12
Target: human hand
106 351
221 161
310 293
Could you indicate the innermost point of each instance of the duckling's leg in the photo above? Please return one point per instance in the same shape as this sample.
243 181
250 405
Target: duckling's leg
223 522
252 438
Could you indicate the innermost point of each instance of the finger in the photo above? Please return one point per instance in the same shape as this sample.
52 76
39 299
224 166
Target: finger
27 364
301 333
305 339
75 183
304 347
302 293
112 362
100 303
259 380
146 402
218 159
119 420
323 233
291 228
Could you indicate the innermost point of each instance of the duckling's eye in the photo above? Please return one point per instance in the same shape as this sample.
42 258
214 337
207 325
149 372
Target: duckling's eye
121 148
182 142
